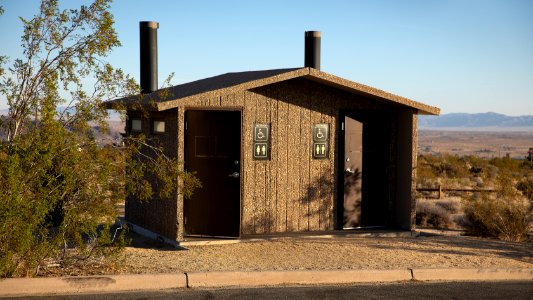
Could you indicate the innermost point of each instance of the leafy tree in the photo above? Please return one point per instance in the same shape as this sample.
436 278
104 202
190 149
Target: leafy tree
59 185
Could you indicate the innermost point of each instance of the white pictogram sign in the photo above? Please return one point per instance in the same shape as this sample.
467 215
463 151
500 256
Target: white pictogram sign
320 141
320 132
261 142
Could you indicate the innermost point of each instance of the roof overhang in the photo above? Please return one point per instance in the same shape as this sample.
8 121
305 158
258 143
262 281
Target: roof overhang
171 97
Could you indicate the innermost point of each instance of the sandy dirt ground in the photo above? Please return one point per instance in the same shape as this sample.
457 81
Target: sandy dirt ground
444 251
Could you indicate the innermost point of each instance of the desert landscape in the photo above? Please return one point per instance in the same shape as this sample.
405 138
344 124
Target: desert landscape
487 144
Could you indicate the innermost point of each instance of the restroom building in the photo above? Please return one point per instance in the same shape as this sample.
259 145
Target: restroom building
283 150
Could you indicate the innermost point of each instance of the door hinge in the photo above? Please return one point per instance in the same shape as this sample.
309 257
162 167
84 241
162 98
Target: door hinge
342 126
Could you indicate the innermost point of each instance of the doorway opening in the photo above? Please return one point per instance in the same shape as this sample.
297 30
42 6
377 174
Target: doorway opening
213 153
364 152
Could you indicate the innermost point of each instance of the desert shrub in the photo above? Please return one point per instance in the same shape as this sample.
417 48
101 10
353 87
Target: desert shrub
424 169
506 164
451 206
506 215
430 215
526 187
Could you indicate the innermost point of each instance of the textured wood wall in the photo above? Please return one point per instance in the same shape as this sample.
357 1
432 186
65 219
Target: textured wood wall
157 215
291 191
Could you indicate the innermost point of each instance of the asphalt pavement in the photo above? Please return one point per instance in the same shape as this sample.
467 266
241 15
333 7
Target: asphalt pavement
397 290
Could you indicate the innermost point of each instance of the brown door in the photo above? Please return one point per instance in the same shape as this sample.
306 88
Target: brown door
353 169
213 151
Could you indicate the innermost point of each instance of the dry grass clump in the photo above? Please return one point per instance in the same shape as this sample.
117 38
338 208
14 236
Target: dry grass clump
453 206
429 214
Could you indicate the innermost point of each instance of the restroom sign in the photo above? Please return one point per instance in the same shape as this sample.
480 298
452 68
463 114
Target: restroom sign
261 133
321 132
320 141
261 142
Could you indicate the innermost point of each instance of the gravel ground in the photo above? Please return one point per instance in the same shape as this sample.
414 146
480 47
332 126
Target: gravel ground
443 251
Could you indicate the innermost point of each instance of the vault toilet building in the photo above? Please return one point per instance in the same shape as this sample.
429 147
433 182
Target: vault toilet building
283 150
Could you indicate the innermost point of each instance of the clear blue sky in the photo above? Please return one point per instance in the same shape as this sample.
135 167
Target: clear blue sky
462 56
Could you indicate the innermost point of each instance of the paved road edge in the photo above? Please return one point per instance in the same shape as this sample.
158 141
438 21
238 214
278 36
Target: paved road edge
89 284
115 283
223 279
472 274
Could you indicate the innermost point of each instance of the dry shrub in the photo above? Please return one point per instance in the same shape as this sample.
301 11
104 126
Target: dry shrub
428 214
506 216
451 206
526 187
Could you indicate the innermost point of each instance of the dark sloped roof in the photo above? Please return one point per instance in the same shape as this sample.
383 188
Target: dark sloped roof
233 82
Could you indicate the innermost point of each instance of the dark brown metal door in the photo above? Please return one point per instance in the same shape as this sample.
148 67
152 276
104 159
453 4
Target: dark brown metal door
353 169
213 151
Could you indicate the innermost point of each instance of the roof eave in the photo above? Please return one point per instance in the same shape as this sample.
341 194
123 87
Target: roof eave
236 88
165 102
369 91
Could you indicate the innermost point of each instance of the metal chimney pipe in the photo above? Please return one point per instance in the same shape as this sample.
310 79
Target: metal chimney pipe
148 47
312 49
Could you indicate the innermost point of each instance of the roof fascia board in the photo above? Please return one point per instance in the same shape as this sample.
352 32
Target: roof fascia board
164 105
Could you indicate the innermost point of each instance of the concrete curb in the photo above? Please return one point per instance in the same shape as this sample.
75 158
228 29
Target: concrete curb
88 284
472 274
115 283
222 279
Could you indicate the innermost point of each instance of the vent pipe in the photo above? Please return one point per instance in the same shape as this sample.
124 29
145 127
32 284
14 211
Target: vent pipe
312 49
148 47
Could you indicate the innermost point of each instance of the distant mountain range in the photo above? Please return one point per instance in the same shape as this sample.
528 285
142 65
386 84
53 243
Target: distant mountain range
464 120
461 121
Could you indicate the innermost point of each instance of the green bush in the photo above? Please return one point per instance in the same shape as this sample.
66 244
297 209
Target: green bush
428 214
506 216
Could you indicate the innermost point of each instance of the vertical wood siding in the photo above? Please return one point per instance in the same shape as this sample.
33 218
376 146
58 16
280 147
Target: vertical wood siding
291 191
158 215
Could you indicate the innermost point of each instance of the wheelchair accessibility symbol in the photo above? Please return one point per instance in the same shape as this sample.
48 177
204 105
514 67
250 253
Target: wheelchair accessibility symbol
320 132
261 132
